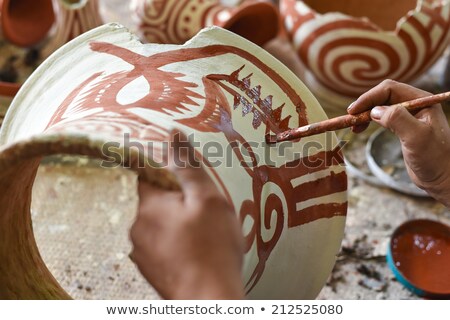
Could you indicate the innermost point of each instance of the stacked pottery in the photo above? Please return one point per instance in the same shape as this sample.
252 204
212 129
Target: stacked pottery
351 46
175 21
119 103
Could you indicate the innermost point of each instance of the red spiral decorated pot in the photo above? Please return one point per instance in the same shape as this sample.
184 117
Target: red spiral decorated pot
26 22
176 21
350 46
120 102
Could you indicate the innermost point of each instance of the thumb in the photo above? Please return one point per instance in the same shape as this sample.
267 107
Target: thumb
183 162
398 120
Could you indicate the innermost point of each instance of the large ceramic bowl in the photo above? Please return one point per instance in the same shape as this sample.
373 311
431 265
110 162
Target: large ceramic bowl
350 46
105 92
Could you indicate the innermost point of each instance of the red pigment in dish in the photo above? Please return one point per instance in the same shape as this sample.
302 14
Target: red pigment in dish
422 254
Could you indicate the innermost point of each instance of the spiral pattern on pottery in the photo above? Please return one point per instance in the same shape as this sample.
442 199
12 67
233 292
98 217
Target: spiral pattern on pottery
267 228
273 205
163 21
350 55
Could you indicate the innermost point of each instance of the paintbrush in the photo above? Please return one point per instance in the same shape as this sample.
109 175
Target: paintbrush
351 120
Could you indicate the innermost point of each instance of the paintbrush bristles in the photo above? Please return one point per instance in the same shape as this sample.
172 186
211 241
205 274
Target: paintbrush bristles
351 120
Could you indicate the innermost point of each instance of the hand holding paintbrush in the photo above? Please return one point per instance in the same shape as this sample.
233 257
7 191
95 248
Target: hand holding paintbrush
352 120
424 137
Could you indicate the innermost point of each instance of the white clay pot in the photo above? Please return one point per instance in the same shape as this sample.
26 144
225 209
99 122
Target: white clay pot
351 46
175 21
218 88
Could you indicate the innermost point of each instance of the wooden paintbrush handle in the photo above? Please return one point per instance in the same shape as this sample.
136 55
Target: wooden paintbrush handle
352 120
421 103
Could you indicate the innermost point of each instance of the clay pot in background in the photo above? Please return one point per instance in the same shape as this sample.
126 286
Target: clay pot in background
74 17
8 89
350 46
23 23
7 93
176 21
220 89
26 22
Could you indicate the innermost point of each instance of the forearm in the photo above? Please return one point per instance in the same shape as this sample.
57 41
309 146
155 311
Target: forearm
210 287
441 189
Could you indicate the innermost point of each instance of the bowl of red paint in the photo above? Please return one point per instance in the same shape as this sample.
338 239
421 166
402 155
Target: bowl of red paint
419 256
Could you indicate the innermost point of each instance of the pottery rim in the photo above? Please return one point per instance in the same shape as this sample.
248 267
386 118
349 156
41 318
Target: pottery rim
73 4
247 11
30 151
366 20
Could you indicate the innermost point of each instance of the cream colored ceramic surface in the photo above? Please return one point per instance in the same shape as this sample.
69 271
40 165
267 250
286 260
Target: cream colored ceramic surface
218 87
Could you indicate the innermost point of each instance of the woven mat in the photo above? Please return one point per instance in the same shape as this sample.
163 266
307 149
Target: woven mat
81 217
